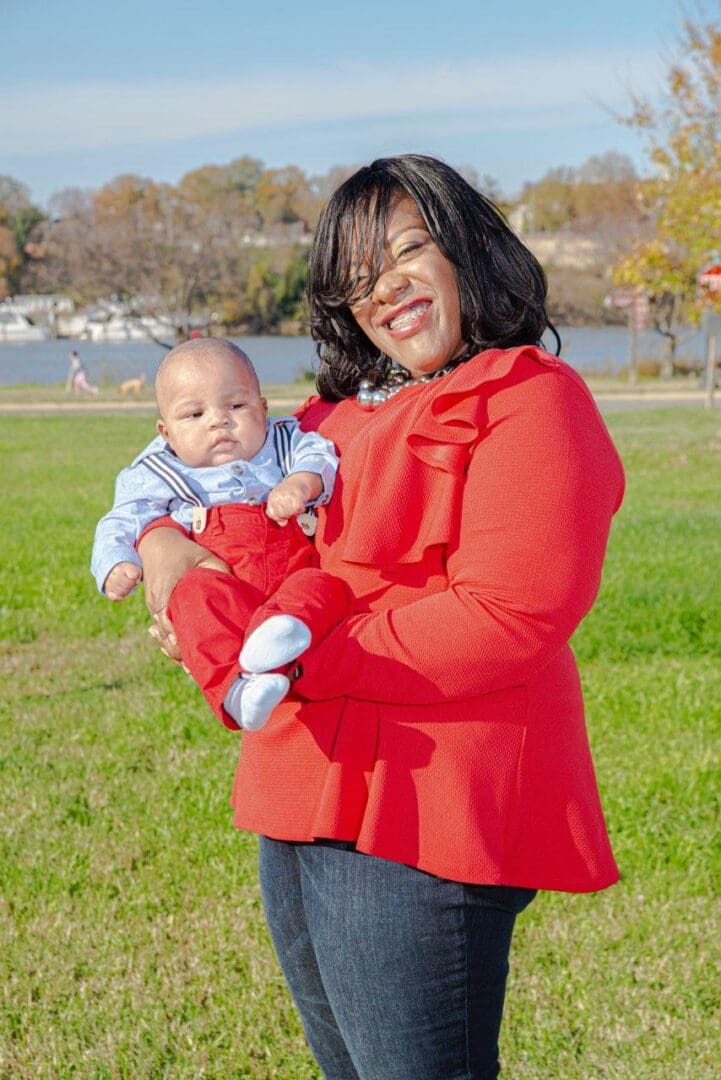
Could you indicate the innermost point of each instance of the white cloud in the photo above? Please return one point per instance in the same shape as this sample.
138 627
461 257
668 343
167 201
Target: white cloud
76 116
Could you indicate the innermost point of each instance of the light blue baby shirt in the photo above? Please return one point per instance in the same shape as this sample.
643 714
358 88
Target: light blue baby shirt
142 495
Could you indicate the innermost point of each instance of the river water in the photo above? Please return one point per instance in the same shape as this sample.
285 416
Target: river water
281 359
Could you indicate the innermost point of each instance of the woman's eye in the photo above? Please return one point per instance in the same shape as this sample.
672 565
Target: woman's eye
409 249
360 286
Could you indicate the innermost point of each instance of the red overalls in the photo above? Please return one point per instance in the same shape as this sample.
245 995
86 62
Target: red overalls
274 570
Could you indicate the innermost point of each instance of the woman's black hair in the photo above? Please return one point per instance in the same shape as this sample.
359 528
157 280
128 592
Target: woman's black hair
501 285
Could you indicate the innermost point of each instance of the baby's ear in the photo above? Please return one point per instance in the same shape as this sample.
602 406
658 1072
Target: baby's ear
161 429
265 405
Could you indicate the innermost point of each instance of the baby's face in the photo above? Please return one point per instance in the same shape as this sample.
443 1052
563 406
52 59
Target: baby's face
212 411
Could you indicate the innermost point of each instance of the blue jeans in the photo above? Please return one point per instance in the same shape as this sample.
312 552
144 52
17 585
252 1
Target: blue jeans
397 974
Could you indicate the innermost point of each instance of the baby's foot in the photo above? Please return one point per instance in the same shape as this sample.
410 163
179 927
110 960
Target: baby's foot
276 642
252 698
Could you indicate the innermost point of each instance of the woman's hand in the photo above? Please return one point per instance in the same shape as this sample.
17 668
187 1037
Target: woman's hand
167 556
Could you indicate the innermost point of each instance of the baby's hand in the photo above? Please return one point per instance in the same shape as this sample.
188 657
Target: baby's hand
288 498
121 580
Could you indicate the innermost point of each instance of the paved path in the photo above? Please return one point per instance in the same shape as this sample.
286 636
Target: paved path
100 406
616 402
607 402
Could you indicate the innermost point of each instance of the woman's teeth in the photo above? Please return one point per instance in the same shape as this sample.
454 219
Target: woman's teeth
409 315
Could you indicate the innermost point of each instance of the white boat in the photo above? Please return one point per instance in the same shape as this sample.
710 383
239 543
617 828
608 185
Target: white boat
16 328
71 326
120 327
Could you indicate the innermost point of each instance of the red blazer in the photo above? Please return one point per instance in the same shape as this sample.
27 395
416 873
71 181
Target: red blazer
442 725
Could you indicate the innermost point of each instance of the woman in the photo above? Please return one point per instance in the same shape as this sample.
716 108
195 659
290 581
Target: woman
432 769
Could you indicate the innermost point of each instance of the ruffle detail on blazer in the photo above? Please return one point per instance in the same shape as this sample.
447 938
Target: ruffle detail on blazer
419 448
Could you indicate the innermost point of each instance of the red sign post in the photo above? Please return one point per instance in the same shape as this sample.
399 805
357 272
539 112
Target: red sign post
710 279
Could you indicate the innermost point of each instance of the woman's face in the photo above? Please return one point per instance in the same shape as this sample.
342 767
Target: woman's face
413 313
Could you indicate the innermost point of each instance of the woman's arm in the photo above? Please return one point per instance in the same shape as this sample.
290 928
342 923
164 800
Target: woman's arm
539 495
167 554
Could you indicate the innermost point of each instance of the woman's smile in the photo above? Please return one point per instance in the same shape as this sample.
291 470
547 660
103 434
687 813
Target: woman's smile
408 319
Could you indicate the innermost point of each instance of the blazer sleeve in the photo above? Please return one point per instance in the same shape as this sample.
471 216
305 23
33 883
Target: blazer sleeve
540 491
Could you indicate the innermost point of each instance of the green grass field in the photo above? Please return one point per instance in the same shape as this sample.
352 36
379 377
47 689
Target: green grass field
132 939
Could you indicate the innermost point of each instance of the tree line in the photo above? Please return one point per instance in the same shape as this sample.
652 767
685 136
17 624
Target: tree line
230 242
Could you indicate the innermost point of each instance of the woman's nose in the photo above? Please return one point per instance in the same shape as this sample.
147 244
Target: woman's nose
389 286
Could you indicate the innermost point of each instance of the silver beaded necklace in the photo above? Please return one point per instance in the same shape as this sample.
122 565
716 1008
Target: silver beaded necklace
369 397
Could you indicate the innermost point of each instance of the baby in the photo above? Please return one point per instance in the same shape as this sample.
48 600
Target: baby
236 481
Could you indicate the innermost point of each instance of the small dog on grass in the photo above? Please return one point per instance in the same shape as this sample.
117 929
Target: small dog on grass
132 386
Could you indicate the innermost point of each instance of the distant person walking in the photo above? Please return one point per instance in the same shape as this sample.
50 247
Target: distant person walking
77 379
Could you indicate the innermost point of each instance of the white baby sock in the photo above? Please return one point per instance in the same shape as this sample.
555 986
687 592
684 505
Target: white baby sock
252 698
276 642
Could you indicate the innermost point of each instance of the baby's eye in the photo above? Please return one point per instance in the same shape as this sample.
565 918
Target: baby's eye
238 405
194 414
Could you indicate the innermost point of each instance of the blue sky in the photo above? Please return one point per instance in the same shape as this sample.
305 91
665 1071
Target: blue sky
88 91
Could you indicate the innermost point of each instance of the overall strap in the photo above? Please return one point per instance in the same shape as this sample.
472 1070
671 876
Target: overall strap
164 467
282 432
